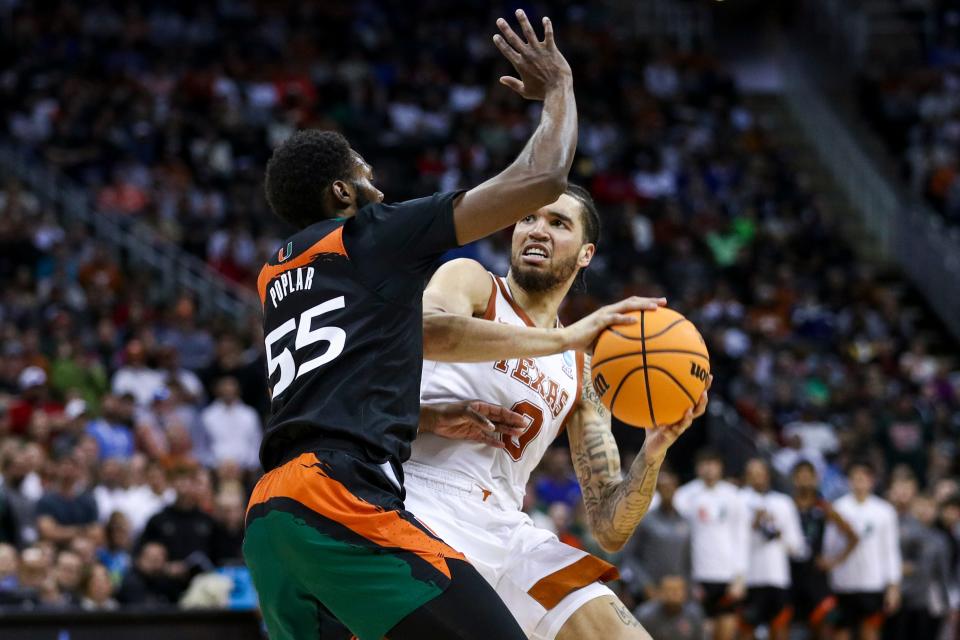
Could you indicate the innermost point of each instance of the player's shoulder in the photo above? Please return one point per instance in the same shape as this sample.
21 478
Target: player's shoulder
467 268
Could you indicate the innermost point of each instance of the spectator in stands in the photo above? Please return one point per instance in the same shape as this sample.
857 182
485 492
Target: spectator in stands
69 573
185 531
228 536
34 399
147 498
867 583
720 529
68 509
557 482
232 361
118 542
17 493
10 527
193 346
9 563
148 582
671 614
233 428
97 590
660 546
135 377
113 430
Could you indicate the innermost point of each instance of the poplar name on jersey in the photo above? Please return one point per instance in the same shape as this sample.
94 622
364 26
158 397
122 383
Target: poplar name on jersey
290 282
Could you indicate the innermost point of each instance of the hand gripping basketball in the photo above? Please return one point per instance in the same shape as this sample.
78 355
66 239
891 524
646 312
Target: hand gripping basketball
651 372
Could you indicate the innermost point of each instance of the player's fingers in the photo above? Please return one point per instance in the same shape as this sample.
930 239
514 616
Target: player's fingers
508 52
526 27
512 83
491 440
497 413
510 35
619 318
508 429
479 419
701 407
709 382
547 32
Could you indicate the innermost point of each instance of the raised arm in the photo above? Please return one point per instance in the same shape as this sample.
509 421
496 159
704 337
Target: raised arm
615 503
539 174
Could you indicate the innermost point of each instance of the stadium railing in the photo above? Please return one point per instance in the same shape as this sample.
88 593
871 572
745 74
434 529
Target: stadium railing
142 246
907 232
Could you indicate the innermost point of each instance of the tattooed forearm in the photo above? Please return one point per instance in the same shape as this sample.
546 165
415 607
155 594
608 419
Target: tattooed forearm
615 505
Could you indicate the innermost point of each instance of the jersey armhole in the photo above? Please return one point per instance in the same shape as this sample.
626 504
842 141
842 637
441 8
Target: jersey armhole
490 312
576 398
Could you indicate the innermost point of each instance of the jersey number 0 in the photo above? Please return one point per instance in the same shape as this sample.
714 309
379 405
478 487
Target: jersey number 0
306 335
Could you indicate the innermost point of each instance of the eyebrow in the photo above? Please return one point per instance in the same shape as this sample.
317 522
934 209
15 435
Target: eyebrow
562 216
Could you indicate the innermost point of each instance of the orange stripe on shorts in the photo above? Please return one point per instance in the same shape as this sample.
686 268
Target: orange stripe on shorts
304 480
551 589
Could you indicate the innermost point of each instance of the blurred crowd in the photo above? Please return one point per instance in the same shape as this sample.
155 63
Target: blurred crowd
130 425
915 105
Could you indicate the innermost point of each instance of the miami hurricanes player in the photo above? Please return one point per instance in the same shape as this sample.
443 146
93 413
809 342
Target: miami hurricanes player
518 356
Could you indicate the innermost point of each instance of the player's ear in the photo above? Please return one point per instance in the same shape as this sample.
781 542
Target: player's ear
586 254
343 193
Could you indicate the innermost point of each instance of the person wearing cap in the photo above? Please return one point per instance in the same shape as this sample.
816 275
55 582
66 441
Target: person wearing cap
34 396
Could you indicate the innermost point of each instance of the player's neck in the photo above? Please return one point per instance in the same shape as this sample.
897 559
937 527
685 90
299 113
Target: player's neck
542 306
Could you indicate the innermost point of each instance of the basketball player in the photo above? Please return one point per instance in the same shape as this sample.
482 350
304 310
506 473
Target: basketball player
775 537
867 582
327 531
812 599
720 529
517 356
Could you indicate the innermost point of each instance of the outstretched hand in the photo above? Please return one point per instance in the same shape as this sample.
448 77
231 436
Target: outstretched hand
539 64
582 335
661 437
472 420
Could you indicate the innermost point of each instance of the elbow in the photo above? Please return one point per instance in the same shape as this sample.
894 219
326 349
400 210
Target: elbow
609 542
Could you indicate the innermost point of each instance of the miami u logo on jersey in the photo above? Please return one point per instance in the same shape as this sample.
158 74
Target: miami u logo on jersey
285 252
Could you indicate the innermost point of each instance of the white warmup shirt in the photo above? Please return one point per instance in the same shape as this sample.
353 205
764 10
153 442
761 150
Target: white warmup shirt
875 561
720 530
769 559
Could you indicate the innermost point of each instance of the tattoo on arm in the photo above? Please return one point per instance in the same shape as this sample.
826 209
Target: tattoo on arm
615 505
625 616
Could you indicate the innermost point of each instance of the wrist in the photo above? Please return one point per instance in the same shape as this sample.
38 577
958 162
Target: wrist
563 82
652 458
427 419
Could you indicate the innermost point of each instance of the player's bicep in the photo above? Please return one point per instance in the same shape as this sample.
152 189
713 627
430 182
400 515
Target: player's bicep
462 287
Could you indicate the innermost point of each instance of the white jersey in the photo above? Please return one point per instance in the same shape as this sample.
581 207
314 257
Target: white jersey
769 560
875 561
543 389
719 529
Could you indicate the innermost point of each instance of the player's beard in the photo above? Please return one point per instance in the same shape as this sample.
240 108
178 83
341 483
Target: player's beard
540 280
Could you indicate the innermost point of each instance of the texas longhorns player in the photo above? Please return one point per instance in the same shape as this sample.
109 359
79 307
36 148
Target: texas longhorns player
470 492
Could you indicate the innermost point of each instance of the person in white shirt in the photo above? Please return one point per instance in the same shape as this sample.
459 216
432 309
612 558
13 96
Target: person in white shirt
775 537
867 583
135 377
233 427
720 529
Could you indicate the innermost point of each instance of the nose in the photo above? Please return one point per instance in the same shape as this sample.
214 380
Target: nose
539 229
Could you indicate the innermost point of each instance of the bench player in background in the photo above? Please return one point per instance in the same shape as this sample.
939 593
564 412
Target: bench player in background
499 340
720 530
813 601
326 528
775 537
867 581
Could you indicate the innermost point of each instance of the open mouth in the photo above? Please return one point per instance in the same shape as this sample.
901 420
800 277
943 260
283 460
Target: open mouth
535 254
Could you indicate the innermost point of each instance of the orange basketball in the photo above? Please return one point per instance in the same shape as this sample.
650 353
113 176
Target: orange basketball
650 372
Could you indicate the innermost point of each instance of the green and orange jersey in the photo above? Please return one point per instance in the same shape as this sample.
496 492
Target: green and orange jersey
342 309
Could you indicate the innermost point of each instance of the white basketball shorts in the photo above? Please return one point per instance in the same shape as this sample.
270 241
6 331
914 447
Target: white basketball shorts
541 580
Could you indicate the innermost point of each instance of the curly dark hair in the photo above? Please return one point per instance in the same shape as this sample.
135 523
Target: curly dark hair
301 169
